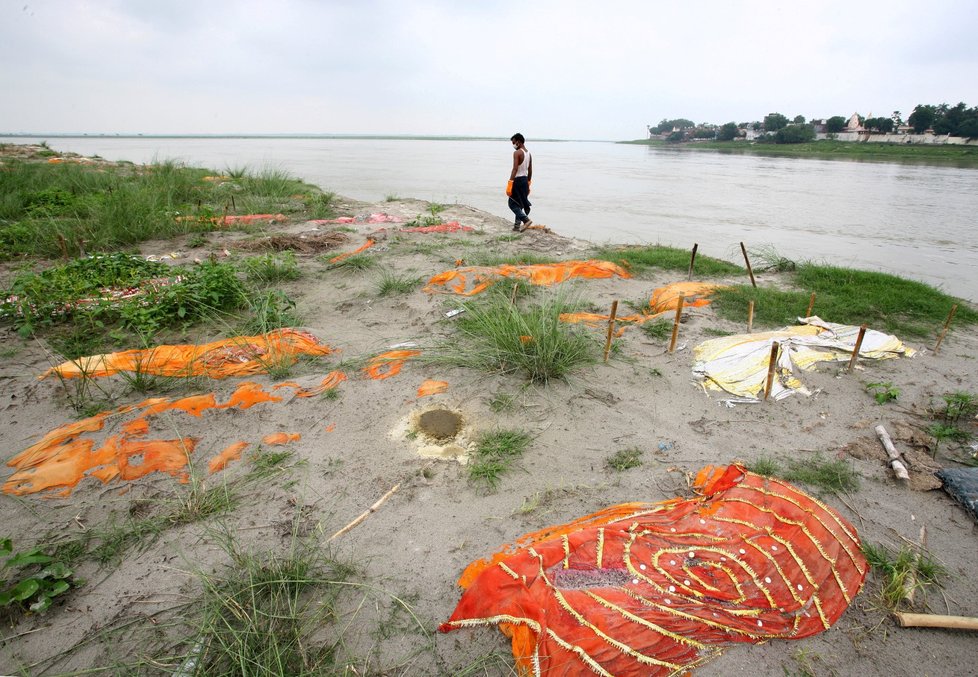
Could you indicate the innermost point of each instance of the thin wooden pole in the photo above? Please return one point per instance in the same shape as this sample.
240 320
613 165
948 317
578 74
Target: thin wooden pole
512 297
611 328
234 207
366 513
63 246
908 620
692 258
947 323
750 317
747 261
772 367
811 305
855 350
675 323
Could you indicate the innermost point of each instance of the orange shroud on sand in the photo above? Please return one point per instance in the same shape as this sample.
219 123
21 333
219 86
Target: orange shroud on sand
473 280
238 356
658 588
663 300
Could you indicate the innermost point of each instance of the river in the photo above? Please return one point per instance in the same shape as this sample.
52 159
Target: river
914 220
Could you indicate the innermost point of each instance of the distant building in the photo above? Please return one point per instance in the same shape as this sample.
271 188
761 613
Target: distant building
854 125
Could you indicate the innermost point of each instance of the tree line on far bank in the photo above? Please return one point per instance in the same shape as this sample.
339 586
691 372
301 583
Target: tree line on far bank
958 120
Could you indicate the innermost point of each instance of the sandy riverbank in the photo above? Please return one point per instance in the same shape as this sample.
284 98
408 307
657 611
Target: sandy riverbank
355 448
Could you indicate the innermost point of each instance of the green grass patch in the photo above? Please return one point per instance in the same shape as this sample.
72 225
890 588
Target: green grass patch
829 476
74 294
625 459
49 209
494 454
520 259
271 268
495 335
639 258
271 613
391 283
901 573
847 296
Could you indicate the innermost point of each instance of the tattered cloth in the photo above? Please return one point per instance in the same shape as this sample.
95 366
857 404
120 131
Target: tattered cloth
739 364
962 484
663 299
473 280
658 588
238 356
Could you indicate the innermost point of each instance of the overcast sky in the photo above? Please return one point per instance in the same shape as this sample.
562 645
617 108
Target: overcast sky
551 69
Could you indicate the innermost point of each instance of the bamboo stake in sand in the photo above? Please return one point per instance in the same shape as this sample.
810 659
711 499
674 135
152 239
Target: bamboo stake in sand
947 323
675 323
907 620
692 258
811 305
512 297
855 350
772 366
611 328
366 513
750 317
899 469
63 246
747 261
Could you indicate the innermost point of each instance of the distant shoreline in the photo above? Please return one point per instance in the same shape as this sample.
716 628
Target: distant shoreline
961 156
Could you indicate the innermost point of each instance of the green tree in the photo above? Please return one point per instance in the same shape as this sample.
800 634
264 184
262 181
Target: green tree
774 121
668 125
728 132
795 134
676 137
922 118
799 120
884 125
835 124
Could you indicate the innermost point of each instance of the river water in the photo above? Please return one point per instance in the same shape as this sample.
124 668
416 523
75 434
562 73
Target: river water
914 220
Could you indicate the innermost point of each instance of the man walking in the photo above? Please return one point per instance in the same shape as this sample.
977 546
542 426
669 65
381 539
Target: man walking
518 189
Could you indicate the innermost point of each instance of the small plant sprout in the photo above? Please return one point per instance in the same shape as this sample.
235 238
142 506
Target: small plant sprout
883 391
494 454
625 459
30 579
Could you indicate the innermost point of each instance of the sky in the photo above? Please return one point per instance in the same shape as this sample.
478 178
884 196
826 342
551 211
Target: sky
547 68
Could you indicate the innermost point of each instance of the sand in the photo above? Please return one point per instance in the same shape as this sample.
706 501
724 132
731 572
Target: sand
355 448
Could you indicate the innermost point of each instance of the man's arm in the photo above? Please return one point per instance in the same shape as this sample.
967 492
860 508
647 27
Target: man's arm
529 170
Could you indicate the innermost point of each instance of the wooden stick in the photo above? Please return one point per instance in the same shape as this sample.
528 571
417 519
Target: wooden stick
366 513
750 317
855 350
947 323
747 261
675 323
63 246
772 366
692 258
512 297
899 469
811 305
611 328
908 620
234 207
910 582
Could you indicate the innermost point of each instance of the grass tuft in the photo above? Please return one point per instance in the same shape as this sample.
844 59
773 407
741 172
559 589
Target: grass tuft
640 258
494 454
830 476
847 296
499 336
625 459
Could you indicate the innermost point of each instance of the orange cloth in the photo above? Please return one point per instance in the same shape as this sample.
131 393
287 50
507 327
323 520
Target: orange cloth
449 227
430 387
340 257
473 280
238 356
657 588
663 300
388 364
